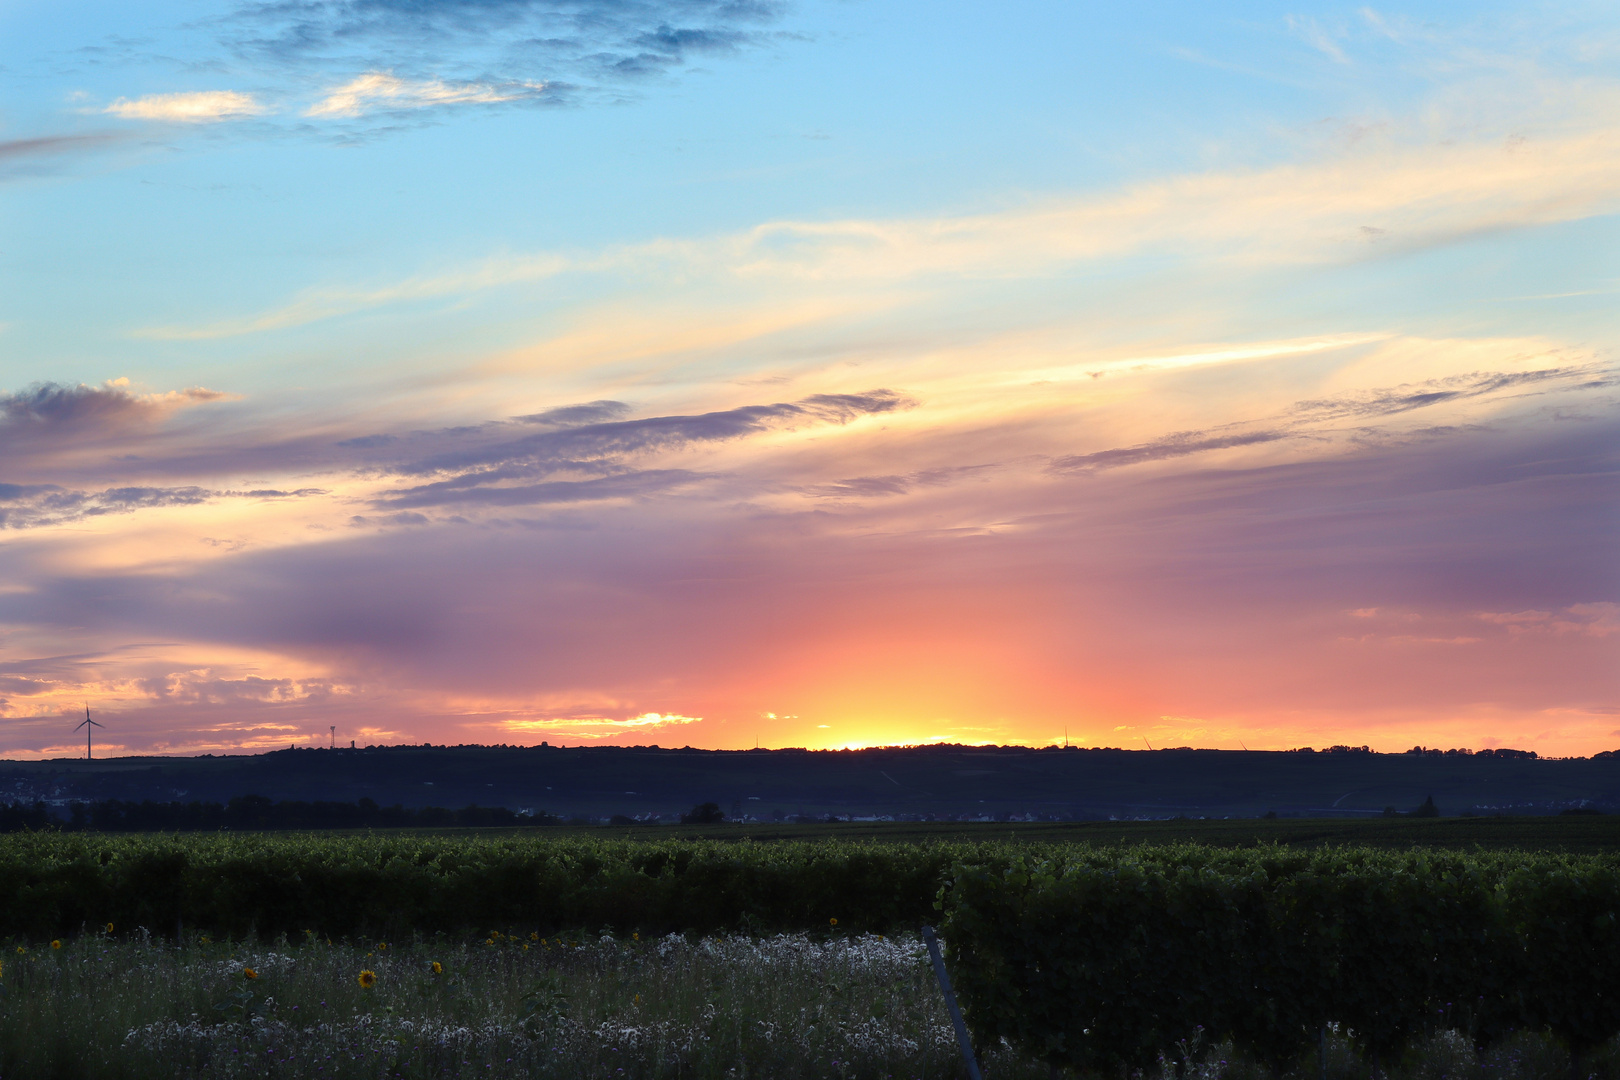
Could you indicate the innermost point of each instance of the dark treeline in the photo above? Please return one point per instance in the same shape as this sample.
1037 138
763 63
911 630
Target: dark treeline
254 812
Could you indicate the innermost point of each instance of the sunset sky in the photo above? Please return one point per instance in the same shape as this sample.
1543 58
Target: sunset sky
810 373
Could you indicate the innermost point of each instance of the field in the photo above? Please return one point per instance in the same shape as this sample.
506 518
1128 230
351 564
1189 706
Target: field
791 1007
1592 833
510 1006
792 952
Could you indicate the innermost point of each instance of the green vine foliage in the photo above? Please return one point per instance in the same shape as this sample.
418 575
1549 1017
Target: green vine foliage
1090 957
1101 959
395 885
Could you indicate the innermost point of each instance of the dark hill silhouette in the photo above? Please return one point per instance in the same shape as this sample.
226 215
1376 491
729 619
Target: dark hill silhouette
939 780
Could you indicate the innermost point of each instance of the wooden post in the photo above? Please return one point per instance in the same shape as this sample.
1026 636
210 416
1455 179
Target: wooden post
963 1040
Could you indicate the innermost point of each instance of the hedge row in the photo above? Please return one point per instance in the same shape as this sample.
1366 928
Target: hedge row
1103 960
396 885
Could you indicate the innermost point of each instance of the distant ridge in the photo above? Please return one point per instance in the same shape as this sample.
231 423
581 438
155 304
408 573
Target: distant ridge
939 780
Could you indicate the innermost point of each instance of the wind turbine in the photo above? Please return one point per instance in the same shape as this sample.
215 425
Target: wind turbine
89 725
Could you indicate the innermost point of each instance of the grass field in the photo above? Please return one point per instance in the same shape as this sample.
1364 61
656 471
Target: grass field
1573 833
787 1007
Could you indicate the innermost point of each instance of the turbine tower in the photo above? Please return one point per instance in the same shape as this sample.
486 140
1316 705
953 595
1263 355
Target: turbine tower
89 726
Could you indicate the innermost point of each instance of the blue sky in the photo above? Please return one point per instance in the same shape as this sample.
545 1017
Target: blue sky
919 271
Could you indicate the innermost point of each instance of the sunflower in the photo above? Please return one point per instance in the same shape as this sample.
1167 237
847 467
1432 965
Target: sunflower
56 943
368 979
832 922
249 973
438 968
109 928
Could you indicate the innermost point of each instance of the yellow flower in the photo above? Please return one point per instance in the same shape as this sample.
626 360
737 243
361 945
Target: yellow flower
109 928
368 979
534 935
249 973
525 946
21 951
205 940
438 968
635 937
832 922
56 943
638 999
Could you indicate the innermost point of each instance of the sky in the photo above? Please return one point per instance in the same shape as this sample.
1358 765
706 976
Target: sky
819 373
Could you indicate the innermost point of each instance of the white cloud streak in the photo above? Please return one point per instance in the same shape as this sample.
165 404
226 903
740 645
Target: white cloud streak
199 107
1317 38
316 304
1368 201
598 727
380 90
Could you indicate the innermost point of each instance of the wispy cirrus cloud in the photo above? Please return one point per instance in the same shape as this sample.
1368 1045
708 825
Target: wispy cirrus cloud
194 107
597 727
381 90
1180 444
869 487
1390 401
35 506
326 303
1318 37
619 438
635 484
1371 200
570 454
1308 419
505 471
